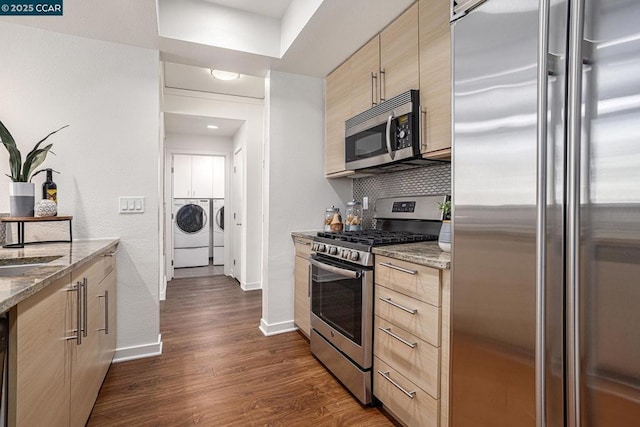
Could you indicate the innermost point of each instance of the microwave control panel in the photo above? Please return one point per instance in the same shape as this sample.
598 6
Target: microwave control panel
404 138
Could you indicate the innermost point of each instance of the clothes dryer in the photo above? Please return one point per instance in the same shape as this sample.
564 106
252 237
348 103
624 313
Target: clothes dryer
191 232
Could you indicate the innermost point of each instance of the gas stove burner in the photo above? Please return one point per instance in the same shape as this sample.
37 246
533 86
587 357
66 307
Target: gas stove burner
377 237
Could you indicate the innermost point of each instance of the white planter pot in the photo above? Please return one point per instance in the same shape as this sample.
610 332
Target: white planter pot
21 198
444 239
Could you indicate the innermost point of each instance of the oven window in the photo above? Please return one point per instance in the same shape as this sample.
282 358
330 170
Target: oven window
337 300
369 143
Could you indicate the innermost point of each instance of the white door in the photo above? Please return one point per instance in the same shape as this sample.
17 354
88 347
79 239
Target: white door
218 177
202 177
181 176
236 219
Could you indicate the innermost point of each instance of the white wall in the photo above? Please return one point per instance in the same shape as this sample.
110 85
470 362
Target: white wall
296 193
108 94
219 26
250 136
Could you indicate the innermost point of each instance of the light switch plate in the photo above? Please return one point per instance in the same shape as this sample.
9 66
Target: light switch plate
365 203
131 204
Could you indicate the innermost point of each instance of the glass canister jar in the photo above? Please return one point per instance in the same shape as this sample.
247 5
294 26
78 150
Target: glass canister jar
332 219
353 222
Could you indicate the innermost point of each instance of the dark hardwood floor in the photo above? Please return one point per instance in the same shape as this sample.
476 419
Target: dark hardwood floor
217 369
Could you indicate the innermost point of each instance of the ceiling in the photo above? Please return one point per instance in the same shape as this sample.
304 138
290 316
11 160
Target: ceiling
197 125
308 37
271 8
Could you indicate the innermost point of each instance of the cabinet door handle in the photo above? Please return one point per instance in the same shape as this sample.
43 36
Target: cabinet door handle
423 128
395 267
385 375
106 312
78 331
383 82
374 76
398 337
401 307
85 300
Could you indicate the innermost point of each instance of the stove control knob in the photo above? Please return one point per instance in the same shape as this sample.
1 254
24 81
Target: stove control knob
354 256
314 247
345 254
321 248
333 250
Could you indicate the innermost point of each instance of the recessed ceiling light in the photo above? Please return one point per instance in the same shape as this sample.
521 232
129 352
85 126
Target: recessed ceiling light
212 127
224 75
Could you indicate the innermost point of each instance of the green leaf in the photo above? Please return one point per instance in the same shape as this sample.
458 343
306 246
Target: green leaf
34 159
15 158
5 136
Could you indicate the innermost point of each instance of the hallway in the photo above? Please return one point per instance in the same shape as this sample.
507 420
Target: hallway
217 369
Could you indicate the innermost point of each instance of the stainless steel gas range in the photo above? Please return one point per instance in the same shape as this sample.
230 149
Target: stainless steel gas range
342 285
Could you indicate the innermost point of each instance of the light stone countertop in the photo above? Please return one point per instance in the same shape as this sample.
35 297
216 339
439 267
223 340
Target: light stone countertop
305 234
423 253
16 288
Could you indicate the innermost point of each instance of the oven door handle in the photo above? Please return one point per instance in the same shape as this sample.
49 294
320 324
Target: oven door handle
392 153
341 271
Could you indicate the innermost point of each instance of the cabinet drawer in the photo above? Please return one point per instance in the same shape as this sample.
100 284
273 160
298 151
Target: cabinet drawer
394 274
303 247
423 321
418 410
421 362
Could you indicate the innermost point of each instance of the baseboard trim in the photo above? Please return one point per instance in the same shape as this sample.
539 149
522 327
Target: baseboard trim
251 286
276 328
138 351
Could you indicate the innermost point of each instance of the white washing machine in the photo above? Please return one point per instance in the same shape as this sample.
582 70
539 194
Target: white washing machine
191 237
218 231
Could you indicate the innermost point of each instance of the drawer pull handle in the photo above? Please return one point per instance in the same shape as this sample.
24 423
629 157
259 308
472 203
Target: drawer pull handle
385 375
395 267
401 307
111 254
399 338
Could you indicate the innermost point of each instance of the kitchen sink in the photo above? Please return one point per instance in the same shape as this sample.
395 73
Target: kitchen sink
11 267
16 270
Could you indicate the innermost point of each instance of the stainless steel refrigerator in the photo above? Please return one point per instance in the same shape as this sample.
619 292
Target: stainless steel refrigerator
546 191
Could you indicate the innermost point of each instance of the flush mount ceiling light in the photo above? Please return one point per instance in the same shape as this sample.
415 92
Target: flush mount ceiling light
224 75
212 127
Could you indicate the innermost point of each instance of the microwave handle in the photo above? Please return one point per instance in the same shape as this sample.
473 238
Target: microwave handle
392 153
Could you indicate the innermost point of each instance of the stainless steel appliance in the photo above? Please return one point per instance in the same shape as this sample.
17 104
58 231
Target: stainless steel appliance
385 137
546 242
342 285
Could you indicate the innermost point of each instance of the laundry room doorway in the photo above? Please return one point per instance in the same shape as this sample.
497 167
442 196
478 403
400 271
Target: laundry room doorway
198 195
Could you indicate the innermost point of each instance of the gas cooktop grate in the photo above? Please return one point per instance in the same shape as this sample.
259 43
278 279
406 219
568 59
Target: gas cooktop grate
377 237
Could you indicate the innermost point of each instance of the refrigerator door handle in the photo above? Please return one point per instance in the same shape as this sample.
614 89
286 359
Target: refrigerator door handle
546 67
574 126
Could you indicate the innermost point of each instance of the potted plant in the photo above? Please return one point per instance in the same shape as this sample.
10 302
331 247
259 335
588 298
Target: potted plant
444 239
21 191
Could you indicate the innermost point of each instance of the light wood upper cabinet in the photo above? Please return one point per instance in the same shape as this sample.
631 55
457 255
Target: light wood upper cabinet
399 54
435 78
364 73
337 111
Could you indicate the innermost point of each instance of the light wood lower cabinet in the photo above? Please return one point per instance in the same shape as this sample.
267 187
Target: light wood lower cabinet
411 341
54 377
302 287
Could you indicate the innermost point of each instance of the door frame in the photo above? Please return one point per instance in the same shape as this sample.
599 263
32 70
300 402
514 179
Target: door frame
168 199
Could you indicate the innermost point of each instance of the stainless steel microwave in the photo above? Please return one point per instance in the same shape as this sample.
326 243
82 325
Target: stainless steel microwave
385 134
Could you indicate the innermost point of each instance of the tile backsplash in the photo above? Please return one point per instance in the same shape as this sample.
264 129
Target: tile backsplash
428 180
